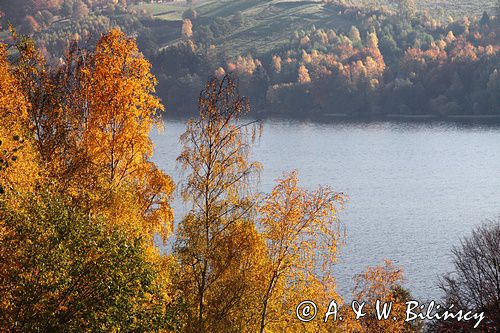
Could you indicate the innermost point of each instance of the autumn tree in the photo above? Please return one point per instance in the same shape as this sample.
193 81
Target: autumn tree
302 232
355 36
303 75
81 131
277 63
62 271
187 28
384 284
92 119
217 244
120 109
18 157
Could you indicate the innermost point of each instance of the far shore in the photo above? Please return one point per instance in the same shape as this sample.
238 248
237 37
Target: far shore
362 117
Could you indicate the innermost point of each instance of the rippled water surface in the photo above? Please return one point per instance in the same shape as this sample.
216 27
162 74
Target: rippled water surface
414 189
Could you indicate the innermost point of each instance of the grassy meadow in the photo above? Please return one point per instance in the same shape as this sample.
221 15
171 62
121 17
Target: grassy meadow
269 24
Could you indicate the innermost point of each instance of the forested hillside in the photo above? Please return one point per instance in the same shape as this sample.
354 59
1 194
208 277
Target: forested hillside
299 58
310 58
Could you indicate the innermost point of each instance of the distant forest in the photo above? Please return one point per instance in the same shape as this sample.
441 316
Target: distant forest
294 58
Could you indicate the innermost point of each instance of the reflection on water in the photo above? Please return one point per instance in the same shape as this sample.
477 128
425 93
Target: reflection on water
414 189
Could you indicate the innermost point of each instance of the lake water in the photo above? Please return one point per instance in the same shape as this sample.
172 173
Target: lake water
414 189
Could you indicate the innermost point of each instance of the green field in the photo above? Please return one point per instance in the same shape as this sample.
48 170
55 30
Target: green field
458 8
269 24
169 12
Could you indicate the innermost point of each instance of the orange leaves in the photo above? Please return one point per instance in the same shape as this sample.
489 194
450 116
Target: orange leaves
378 282
216 145
187 28
302 232
383 283
356 66
244 66
155 193
117 89
463 51
17 157
416 60
449 51
303 76
90 118
222 255
277 63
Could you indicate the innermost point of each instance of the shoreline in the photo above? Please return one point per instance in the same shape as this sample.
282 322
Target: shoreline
483 119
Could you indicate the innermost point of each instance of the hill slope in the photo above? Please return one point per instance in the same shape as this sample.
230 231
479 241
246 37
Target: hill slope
269 24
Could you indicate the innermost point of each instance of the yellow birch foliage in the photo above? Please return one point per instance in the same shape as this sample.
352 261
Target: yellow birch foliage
18 168
47 119
18 160
383 283
117 87
217 245
91 121
302 233
84 125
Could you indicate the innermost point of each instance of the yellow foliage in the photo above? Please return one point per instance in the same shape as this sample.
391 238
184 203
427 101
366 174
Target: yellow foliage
118 88
383 283
306 58
90 119
302 233
218 246
84 126
18 167
450 37
187 28
303 76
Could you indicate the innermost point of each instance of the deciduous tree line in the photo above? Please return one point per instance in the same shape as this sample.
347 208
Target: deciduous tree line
388 62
